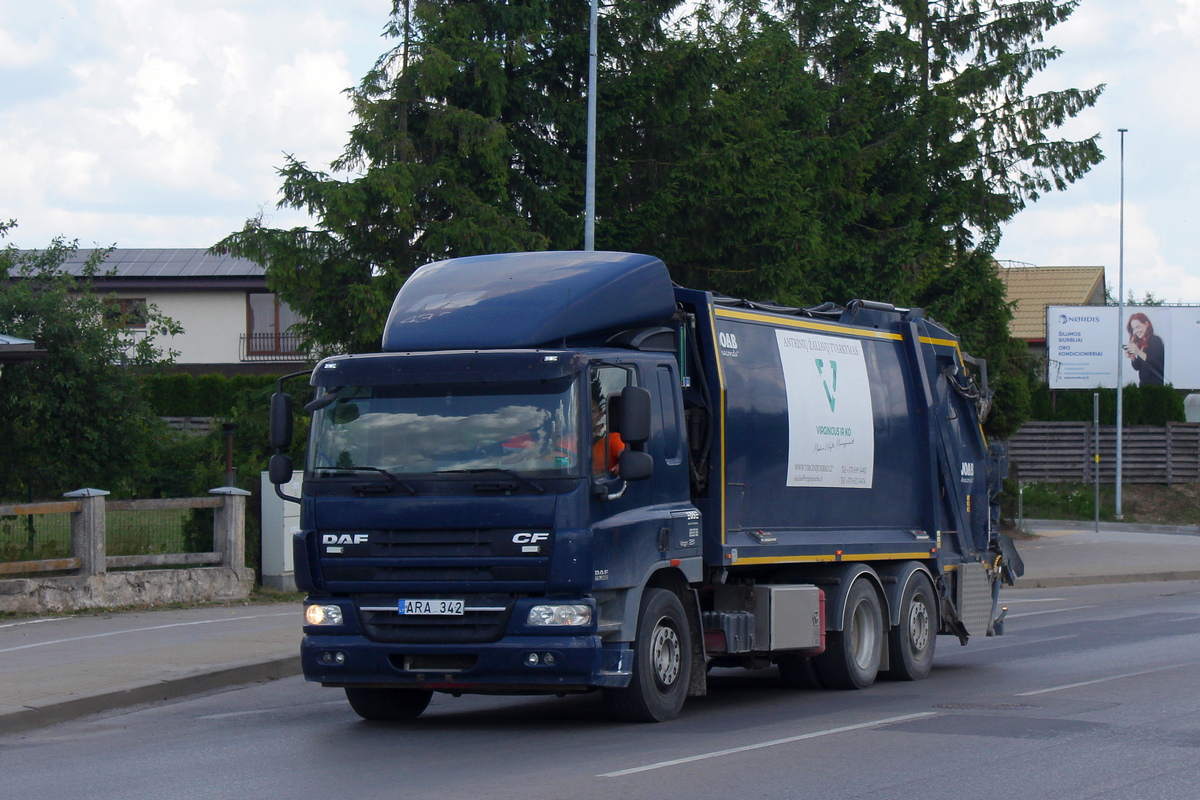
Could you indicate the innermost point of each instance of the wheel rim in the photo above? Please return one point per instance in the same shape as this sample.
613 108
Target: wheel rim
665 653
918 624
864 633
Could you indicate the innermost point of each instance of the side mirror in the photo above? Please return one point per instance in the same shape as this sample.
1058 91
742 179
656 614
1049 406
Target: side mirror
635 466
280 469
281 422
635 415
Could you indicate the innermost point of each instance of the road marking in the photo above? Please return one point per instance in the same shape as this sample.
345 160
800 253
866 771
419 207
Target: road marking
229 714
1032 600
1047 611
760 745
140 630
34 622
1104 680
989 646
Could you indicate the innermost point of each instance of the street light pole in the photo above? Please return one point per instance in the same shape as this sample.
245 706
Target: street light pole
1120 329
589 190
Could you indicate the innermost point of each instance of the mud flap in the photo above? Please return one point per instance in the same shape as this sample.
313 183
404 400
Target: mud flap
1011 565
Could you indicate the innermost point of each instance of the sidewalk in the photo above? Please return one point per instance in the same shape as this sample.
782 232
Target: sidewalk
59 668
1074 554
54 669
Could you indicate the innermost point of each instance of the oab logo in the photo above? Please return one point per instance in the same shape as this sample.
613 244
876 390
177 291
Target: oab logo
727 340
968 471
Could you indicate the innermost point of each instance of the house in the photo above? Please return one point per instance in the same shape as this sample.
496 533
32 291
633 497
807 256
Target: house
13 350
1033 288
232 324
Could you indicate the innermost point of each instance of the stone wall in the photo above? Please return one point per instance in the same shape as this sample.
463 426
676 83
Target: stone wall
64 594
115 589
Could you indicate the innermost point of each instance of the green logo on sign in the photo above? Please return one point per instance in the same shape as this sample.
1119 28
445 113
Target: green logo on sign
821 371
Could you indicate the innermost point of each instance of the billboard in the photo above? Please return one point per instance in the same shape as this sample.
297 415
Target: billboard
1155 344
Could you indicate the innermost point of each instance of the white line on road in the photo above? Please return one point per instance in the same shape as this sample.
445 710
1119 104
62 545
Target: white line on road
989 646
1008 601
1103 680
140 630
760 745
1047 611
33 622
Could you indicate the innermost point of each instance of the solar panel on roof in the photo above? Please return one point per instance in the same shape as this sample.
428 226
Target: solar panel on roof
188 262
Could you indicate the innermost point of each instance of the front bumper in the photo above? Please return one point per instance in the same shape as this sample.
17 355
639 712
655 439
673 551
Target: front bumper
577 663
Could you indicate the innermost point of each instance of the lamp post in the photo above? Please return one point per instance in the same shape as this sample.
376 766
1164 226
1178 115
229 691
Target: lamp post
1120 329
589 190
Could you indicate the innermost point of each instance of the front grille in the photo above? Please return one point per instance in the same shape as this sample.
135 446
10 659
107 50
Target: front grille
436 556
382 622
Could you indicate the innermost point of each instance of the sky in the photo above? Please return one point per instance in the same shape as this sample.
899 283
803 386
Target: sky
162 123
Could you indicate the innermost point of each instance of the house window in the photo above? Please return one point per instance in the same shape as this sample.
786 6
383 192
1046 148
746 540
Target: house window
125 312
270 326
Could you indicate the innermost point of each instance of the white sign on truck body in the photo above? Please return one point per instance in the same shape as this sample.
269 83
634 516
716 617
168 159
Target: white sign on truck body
831 426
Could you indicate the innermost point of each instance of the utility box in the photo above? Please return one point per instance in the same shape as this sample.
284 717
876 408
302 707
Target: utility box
1191 407
280 520
788 618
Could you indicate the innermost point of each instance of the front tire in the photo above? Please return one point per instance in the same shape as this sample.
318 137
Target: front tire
851 657
911 643
662 662
388 705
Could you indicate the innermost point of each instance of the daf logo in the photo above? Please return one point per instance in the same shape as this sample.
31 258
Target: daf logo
530 538
345 538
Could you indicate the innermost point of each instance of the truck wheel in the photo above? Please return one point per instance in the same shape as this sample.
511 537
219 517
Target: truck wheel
662 662
851 657
798 672
388 704
911 642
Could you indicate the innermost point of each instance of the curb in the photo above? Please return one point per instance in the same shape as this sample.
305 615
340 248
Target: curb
1095 580
1034 525
57 711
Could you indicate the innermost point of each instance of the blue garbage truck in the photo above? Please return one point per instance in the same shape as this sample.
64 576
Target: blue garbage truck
563 473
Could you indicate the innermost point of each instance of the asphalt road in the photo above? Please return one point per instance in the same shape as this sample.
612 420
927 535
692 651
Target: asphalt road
1091 694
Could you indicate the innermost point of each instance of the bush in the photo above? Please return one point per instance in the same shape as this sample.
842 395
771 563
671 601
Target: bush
1144 405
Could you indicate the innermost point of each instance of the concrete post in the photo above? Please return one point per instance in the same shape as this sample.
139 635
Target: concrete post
229 527
87 531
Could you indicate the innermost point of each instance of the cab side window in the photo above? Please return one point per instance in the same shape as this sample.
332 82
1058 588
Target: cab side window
605 392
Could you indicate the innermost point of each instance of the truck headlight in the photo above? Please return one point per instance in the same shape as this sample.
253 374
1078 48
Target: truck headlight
323 615
564 615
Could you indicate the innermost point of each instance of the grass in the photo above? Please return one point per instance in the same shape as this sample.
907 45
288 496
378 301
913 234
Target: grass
1148 504
128 533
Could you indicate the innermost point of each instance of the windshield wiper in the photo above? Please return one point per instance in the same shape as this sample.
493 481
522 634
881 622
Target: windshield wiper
403 485
495 471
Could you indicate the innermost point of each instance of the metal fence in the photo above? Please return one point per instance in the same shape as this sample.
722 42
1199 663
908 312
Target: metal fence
1065 452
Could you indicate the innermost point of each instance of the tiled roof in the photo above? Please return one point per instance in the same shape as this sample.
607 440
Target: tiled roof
1034 288
188 262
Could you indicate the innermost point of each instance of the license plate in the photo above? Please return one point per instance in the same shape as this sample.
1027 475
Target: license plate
431 608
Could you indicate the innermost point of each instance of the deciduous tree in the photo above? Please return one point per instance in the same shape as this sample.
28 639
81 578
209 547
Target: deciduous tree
75 418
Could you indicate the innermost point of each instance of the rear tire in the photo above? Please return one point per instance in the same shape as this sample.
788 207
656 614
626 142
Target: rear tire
388 705
662 662
851 657
911 643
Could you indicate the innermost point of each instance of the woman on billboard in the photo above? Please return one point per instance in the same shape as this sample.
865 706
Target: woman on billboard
1145 350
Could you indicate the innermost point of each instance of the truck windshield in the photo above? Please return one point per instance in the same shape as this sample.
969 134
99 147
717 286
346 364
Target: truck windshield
526 428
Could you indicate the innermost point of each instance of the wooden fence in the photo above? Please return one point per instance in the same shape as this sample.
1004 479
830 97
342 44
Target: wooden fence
1065 451
88 508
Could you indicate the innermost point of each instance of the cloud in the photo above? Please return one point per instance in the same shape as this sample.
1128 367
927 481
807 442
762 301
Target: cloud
165 111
